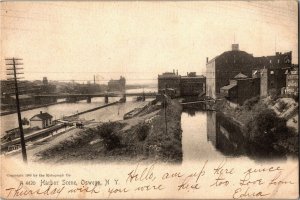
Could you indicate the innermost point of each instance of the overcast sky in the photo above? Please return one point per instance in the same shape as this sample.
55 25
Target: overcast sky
75 40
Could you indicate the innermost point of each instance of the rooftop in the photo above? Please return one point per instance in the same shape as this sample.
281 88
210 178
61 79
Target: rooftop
168 75
189 77
228 87
22 96
240 76
42 116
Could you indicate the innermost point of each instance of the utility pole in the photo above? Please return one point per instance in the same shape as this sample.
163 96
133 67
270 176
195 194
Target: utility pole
13 71
165 106
275 43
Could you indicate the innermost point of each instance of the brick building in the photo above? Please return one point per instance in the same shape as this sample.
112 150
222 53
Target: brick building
279 60
117 85
189 85
240 89
271 79
192 84
170 80
46 87
224 67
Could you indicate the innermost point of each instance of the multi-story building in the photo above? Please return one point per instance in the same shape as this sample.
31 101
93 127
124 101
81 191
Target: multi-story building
279 60
192 84
271 79
240 89
169 80
292 79
189 85
117 85
224 67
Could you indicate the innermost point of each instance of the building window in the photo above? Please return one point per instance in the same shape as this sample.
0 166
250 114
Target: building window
270 61
278 61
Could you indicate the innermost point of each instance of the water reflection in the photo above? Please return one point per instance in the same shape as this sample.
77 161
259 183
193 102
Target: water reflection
211 135
195 144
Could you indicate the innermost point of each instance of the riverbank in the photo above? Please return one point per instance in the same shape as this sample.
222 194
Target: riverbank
2 113
140 138
262 123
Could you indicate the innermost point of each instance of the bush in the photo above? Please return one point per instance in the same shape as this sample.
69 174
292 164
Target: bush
266 128
110 139
142 131
296 97
282 106
248 104
25 121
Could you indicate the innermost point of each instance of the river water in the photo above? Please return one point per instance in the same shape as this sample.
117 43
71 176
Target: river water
208 135
198 140
110 113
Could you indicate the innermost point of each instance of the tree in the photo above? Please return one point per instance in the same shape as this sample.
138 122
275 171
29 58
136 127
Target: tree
266 128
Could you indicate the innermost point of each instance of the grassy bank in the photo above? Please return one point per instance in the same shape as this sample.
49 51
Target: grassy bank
141 138
262 123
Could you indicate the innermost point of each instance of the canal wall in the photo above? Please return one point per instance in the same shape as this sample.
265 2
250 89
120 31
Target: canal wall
93 109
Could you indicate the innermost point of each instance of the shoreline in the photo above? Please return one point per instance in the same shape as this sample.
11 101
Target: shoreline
141 138
285 145
30 108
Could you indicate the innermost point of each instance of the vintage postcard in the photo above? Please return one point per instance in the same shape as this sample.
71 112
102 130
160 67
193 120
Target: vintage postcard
149 100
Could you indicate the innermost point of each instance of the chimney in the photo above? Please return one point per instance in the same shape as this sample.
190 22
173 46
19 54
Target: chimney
187 73
173 71
206 60
177 72
235 47
41 112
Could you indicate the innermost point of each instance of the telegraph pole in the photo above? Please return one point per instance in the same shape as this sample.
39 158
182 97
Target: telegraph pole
165 106
13 71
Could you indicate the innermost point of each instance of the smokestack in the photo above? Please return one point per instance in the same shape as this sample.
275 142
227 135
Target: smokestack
235 47
177 72
173 71
187 73
206 60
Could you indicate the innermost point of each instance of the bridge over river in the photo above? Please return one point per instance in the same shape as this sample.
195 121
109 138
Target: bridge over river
88 97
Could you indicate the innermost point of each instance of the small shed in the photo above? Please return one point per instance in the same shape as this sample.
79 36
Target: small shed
42 120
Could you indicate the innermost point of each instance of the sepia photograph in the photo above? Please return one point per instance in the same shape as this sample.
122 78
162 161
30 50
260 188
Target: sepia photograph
149 99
